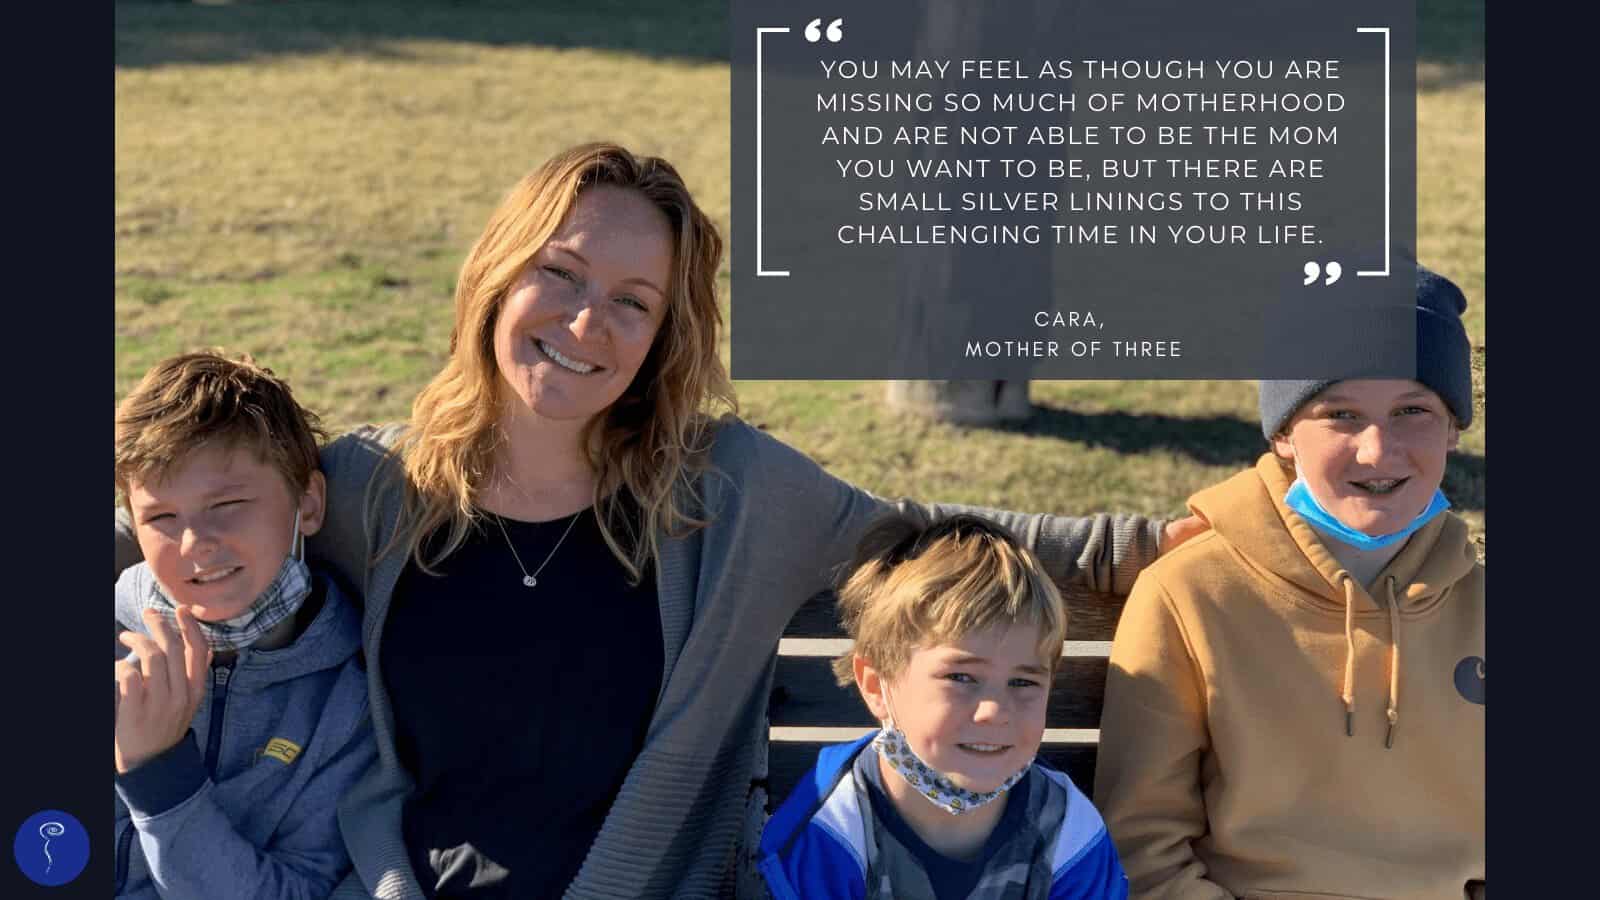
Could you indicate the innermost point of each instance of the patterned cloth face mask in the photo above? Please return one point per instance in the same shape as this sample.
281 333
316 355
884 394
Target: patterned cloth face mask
281 600
933 785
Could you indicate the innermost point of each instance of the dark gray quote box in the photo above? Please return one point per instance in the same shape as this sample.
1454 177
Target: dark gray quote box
1144 189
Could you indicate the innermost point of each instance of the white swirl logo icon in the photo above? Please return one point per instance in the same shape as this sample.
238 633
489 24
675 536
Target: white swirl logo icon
51 847
47 831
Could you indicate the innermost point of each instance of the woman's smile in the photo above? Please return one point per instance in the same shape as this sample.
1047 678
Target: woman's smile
570 363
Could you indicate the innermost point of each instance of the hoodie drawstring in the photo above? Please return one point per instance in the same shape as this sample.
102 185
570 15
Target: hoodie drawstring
1350 657
1394 663
1350 653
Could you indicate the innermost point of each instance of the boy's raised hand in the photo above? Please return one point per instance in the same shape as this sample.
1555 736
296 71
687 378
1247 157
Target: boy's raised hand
157 696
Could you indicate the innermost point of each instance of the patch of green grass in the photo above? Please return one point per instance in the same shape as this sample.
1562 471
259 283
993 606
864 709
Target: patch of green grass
356 343
274 162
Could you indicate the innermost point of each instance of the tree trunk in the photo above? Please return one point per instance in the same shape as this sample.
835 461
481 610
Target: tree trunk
962 402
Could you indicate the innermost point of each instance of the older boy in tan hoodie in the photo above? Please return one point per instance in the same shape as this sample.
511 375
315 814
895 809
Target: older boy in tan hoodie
1295 702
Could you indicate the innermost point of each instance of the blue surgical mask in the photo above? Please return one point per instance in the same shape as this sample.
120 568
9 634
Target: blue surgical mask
1300 499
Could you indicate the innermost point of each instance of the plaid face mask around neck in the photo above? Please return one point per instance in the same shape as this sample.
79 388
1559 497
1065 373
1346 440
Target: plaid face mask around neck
281 600
934 786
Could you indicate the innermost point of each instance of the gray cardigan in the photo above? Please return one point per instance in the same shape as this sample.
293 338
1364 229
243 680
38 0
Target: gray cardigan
779 524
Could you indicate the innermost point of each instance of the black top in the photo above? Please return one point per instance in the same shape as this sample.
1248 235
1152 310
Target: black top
518 710
952 879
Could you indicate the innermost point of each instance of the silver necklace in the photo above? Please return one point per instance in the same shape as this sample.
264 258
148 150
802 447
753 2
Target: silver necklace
533 579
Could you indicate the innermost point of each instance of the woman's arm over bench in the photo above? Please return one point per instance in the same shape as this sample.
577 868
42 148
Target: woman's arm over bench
816 516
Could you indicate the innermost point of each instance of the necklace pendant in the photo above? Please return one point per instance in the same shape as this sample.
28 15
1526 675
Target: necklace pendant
530 581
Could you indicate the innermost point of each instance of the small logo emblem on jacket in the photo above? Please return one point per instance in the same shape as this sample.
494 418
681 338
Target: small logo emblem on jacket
281 749
1469 679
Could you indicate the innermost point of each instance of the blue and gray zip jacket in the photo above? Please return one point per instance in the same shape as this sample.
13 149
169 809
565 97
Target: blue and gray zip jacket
246 804
821 844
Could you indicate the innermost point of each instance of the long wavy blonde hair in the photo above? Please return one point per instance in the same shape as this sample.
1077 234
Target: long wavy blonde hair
649 443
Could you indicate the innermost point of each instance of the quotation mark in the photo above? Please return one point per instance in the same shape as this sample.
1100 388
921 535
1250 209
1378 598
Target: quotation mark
1313 271
835 30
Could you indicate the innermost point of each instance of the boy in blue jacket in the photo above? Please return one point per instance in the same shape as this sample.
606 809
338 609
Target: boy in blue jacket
957 632
241 710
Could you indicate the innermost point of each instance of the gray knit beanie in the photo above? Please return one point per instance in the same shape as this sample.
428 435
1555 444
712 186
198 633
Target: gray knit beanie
1444 358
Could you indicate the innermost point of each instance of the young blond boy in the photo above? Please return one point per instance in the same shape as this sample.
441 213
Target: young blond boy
1295 701
957 632
241 711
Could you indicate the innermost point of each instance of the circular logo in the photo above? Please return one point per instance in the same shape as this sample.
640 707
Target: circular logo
51 847
1470 681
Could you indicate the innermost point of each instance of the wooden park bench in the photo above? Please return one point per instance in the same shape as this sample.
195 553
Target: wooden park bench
809 710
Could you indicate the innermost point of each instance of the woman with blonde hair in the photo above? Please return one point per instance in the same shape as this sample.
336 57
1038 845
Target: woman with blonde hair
576 571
